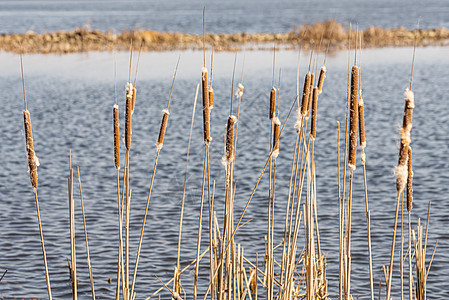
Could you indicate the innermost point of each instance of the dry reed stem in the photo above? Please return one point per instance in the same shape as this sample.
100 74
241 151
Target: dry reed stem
115 117
353 117
409 181
177 286
197 265
314 113
85 235
44 254
321 79
72 234
390 270
33 161
253 192
182 271
128 113
305 94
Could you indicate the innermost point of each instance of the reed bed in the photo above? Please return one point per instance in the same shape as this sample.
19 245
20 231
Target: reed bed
289 269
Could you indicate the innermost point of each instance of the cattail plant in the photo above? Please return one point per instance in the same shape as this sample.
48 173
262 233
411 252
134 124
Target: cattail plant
206 107
402 167
314 113
353 116
277 125
309 101
33 163
305 94
409 181
230 138
321 79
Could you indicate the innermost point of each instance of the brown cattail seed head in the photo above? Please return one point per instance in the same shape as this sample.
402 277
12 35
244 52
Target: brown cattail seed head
314 112
321 79
309 103
305 94
211 99
33 161
116 137
160 140
276 132
362 123
230 138
272 112
353 117
401 169
409 181
206 110
128 113
134 99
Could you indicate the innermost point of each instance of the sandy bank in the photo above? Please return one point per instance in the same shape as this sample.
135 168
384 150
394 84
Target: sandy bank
84 39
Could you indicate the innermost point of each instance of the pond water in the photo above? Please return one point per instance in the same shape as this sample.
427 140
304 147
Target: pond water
70 98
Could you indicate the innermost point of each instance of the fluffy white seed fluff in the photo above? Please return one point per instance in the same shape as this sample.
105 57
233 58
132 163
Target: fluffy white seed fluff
363 145
159 146
176 296
323 68
351 167
363 157
165 111
225 161
129 90
410 96
401 173
240 91
277 121
275 153
204 72
234 118
115 106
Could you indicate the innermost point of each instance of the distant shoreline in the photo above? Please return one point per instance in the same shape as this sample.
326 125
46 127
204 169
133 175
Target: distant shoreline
85 39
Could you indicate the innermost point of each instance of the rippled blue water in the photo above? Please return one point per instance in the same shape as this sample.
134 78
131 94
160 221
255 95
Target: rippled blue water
71 97
222 16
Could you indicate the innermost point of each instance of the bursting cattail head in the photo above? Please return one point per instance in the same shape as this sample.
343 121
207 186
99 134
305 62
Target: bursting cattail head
206 109
116 137
305 94
128 113
276 132
309 103
134 99
409 181
353 117
33 161
240 91
314 113
402 169
321 79
211 98
160 140
230 138
362 123
272 103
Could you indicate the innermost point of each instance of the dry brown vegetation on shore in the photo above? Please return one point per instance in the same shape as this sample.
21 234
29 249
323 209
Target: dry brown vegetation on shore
85 39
